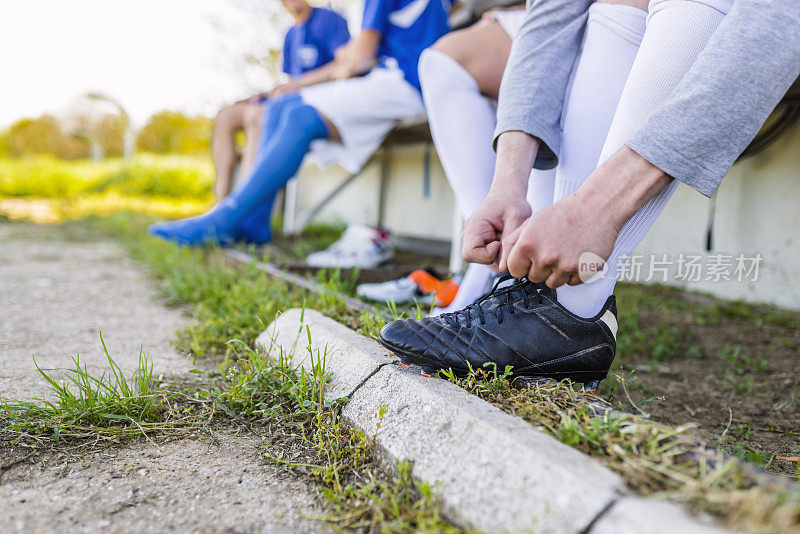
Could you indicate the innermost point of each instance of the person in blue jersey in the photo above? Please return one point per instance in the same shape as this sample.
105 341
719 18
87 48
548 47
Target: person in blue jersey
343 120
310 45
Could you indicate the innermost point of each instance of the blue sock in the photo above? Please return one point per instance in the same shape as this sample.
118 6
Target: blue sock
255 228
275 109
298 125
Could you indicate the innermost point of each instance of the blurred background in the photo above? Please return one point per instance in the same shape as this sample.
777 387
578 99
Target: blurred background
108 105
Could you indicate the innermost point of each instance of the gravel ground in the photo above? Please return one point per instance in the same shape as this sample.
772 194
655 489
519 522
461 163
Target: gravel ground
55 298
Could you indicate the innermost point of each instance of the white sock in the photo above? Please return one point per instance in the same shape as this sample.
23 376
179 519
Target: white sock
612 38
541 186
676 33
462 124
477 277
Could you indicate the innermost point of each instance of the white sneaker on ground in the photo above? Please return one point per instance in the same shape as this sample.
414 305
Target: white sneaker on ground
398 291
422 286
360 247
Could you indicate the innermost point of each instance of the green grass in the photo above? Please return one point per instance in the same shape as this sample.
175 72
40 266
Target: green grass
261 393
230 306
99 409
363 493
180 177
265 393
654 459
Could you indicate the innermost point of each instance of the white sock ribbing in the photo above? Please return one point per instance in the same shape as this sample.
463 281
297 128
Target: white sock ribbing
676 33
462 123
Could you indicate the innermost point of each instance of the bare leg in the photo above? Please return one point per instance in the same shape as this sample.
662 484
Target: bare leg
253 115
482 50
229 121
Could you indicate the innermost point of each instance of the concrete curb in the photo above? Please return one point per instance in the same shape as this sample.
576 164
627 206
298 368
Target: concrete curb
491 470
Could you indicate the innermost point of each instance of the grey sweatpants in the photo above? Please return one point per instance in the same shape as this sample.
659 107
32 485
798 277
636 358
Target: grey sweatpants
696 133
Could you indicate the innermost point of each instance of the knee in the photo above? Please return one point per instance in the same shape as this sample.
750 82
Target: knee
225 116
454 44
252 116
306 119
274 108
301 114
433 64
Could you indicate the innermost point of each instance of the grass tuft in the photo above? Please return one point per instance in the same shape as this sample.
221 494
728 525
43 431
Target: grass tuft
363 494
654 459
102 409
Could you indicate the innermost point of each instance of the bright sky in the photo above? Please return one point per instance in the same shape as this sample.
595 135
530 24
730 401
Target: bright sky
149 54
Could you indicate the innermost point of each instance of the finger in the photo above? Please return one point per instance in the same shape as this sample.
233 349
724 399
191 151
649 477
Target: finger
511 224
476 240
574 280
494 249
557 278
481 252
507 245
538 272
518 263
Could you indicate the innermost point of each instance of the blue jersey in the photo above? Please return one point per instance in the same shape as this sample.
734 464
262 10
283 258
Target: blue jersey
407 27
312 44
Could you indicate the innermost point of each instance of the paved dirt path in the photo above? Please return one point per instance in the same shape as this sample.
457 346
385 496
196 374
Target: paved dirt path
58 296
55 297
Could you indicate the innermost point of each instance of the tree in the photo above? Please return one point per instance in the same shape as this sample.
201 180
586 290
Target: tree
110 130
176 133
43 135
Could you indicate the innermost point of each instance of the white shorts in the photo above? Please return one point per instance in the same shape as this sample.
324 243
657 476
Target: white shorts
363 110
510 21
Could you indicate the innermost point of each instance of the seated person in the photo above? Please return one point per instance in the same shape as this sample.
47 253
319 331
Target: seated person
344 120
311 43
691 101
460 77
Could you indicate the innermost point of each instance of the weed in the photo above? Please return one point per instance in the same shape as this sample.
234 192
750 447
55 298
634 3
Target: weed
363 494
654 459
371 323
102 409
739 362
747 453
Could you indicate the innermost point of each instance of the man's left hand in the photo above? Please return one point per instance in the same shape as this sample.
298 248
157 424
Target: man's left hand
548 246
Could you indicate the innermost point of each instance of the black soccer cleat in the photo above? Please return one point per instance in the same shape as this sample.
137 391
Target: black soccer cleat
522 326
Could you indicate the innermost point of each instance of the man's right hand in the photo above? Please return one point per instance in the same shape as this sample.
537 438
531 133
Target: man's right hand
498 216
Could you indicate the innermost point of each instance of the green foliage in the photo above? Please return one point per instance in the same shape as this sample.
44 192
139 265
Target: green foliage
172 132
42 135
363 495
46 176
150 176
166 132
146 176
